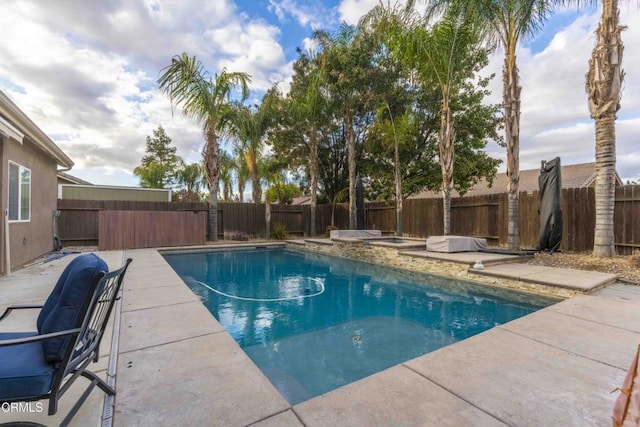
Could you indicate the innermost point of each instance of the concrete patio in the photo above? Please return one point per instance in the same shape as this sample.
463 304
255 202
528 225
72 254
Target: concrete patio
557 366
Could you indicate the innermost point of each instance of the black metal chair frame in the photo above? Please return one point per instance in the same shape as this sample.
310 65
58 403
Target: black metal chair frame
85 336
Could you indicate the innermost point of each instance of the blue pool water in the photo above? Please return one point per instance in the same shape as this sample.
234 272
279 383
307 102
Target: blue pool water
313 323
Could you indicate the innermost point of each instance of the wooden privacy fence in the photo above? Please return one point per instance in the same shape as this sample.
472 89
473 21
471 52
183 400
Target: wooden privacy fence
479 216
79 219
150 229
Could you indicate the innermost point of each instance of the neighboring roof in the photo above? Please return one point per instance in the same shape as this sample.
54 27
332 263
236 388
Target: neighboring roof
573 176
14 123
70 179
302 200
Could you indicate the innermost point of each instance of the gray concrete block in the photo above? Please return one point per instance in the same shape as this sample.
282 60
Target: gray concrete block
206 380
524 382
395 397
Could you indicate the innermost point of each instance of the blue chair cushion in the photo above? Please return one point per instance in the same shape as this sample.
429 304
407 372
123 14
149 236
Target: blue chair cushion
54 296
64 311
24 372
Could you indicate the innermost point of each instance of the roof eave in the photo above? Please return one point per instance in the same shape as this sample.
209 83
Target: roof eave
24 124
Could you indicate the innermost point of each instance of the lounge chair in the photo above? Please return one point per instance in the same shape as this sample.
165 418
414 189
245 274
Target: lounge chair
43 364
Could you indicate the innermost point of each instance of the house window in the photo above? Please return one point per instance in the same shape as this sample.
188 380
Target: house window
19 193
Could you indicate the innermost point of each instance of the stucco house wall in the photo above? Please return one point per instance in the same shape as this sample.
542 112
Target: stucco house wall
30 148
33 238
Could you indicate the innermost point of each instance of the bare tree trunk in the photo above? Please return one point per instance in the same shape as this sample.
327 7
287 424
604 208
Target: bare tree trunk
212 166
604 82
445 144
256 190
351 153
313 148
241 184
511 99
267 219
398 178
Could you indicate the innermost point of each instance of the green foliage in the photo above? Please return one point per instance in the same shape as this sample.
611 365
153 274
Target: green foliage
282 193
190 177
160 163
278 231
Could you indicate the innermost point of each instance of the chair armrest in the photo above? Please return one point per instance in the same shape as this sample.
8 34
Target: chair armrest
36 338
17 307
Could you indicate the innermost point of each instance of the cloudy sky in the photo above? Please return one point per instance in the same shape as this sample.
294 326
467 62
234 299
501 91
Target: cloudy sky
85 71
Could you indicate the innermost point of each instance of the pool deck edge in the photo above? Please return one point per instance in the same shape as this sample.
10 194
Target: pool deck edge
415 392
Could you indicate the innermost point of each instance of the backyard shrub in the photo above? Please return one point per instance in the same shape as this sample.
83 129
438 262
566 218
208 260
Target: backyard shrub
278 231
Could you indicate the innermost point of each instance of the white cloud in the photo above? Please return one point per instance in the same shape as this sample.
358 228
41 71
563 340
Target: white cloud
309 13
352 10
86 73
555 118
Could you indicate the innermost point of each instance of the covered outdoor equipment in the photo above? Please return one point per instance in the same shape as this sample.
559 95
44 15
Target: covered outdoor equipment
550 183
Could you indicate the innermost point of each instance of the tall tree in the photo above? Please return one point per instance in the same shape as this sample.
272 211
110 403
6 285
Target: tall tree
190 177
604 90
446 55
160 162
250 126
205 98
227 166
151 176
307 105
242 173
351 75
505 23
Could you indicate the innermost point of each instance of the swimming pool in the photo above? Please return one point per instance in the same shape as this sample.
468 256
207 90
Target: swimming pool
313 323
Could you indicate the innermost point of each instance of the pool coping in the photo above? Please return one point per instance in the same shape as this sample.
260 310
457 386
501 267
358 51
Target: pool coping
412 392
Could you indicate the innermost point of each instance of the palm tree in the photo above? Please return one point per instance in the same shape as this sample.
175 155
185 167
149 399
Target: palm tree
340 63
242 173
250 126
604 90
190 176
399 128
443 53
151 176
505 23
307 105
206 99
227 165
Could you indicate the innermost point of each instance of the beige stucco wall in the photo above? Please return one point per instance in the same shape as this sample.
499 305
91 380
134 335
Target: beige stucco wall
32 239
94 192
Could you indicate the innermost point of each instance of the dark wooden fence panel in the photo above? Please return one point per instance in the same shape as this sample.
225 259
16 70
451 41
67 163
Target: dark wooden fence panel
381 216
290 217
78 221
148 229
627 219
246 219
78 227
480 216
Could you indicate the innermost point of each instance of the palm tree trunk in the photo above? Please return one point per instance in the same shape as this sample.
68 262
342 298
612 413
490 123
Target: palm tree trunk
604 82
252 163
398 179
446 158
212 165
313 158
511 99
241 184
351 155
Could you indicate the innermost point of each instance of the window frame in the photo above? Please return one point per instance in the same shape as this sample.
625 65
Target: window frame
21 169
